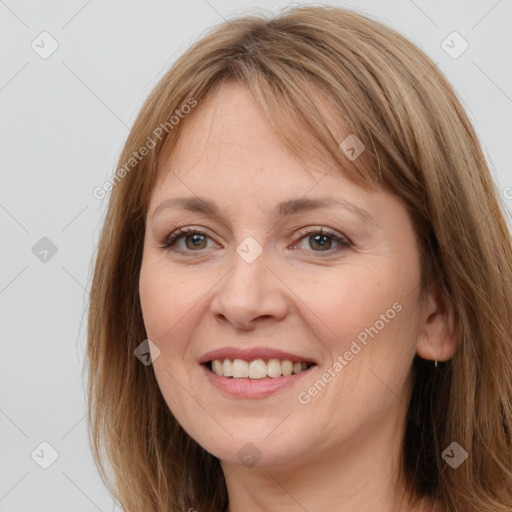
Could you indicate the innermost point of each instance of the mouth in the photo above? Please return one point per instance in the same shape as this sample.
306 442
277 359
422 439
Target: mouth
254 372
257 369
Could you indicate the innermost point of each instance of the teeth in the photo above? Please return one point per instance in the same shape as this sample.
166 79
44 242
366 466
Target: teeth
218 367
240 368
257 369
227 368
274 368
287 367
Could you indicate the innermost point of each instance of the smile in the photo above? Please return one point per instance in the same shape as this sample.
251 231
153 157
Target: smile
256 368
254 372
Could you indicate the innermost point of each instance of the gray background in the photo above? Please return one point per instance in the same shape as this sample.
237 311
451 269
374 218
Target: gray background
64 121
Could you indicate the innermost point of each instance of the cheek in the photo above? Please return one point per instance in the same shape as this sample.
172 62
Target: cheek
364 313
165 300
349 299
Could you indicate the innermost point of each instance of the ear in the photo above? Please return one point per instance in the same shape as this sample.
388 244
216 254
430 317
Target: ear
438 333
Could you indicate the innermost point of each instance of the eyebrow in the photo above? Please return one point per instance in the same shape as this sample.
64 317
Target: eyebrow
285 208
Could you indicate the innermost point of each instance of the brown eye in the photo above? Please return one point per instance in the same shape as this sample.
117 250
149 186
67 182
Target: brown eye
195 240
322 241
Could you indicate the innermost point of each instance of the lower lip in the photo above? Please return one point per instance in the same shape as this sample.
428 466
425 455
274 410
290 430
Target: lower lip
252 388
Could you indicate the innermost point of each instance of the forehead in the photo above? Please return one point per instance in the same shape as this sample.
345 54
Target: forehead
228 126
228 145
230 164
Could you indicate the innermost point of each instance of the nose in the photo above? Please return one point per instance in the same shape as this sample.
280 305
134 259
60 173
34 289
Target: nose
250 295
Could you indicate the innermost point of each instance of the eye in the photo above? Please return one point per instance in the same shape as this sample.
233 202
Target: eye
194 239
323 241
319 241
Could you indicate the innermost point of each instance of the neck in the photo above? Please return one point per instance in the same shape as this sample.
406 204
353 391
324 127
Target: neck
357 475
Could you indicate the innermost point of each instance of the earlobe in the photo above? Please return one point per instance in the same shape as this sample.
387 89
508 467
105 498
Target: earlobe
438 332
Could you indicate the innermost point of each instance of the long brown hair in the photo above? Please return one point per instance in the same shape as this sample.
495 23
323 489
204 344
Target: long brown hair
421 146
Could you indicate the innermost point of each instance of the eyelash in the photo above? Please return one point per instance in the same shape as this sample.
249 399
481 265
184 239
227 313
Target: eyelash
180 233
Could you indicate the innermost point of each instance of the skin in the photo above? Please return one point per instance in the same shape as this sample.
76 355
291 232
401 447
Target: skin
341 450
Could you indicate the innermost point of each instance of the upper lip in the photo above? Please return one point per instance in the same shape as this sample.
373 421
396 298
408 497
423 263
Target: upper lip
252 353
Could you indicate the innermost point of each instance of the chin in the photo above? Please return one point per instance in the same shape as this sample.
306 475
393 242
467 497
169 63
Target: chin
254 447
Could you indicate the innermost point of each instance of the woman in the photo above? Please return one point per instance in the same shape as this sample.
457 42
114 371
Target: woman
305 241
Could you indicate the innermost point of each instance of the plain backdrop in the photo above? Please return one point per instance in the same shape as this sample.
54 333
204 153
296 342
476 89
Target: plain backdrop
64 119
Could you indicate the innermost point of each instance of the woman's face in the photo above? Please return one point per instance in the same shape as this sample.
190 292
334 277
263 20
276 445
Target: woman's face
259 291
